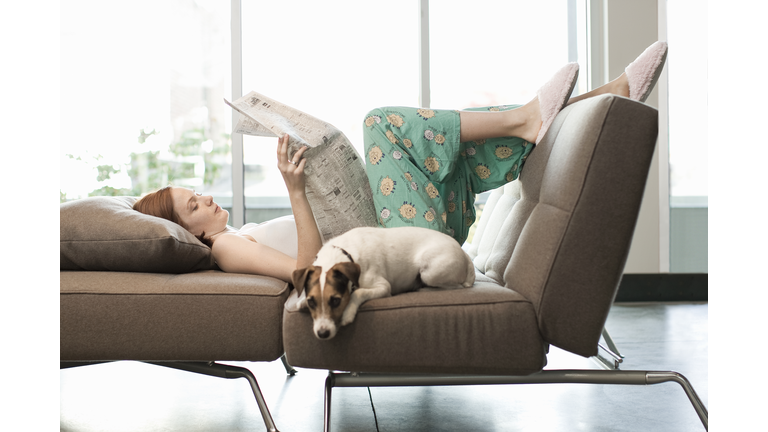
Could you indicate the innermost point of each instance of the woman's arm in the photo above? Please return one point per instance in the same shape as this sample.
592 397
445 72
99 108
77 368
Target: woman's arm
309 238
236 254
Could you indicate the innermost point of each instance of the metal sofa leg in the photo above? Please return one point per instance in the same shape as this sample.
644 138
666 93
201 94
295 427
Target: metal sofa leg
544 377
615 359
698 405
230 372
288 368
610 343
329 384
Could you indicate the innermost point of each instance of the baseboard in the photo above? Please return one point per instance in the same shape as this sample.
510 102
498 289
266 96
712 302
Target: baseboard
663 287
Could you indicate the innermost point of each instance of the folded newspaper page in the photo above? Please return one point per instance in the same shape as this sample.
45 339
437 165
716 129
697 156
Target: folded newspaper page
337 187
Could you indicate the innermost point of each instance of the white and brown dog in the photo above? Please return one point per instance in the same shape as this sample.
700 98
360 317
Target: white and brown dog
369 263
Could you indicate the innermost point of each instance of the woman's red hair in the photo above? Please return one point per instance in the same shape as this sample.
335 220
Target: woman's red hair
160 204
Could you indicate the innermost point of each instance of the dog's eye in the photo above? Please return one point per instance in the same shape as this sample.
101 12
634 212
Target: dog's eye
334 302
311 303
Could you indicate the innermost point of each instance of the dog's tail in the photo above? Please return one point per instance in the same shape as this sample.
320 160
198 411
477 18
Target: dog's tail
470 273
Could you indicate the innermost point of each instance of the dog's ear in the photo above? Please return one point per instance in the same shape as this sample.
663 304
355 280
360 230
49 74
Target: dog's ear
299 278
349 270
302 303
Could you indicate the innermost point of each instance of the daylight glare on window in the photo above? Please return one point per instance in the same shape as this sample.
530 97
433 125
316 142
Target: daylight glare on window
687 101
333 60
361 55
142 84
485 53
142 105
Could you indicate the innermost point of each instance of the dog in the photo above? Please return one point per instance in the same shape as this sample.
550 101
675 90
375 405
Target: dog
368 263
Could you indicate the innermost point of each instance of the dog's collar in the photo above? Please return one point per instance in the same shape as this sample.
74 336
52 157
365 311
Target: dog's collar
346 253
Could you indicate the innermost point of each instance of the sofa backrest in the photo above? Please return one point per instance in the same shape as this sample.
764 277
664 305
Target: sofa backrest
560 234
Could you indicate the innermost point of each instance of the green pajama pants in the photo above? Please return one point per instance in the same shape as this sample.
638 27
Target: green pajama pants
421 175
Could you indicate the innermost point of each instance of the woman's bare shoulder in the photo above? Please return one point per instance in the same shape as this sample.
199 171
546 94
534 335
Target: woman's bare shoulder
231 239
232 246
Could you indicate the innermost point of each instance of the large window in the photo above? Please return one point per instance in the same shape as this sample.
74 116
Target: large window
687 99
333 60
688 160
481 53
337 60
142 84
485 53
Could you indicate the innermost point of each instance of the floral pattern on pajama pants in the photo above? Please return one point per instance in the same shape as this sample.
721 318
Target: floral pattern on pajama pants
421 175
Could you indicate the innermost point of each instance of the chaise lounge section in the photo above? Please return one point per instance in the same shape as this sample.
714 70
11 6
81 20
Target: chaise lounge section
136 287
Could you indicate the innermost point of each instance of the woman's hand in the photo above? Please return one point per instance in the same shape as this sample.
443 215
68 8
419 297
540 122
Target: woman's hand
291 169
293 174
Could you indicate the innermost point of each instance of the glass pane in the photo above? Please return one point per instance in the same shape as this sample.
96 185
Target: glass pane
687 65
494 52
141 91
355 57
688 158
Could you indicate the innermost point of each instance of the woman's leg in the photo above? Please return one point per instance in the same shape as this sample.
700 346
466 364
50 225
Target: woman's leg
494 161
416 171
426 139
425 166
524 122
619 86
422 175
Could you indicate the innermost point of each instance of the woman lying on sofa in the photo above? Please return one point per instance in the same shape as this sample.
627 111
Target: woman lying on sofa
441 159
275 248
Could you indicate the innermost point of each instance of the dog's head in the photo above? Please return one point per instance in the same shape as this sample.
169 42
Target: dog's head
327 293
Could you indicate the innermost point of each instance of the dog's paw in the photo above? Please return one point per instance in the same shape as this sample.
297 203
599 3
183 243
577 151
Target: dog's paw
349 315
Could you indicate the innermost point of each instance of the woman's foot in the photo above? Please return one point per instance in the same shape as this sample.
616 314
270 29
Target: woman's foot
553 96
638 79
524 122
643 73
532 120
529 122
619 86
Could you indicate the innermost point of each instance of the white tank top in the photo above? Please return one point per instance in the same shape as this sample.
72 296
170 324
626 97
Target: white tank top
277 233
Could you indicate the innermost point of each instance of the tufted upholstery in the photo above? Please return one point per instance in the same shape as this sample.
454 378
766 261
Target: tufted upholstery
561 233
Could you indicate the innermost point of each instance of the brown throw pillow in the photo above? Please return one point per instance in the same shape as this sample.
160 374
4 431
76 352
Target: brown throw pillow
106 234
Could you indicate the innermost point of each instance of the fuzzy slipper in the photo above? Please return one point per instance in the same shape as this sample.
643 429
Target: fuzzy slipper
643 73
554 94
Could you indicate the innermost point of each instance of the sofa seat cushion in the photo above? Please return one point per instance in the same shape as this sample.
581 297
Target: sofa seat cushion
486 329
202 316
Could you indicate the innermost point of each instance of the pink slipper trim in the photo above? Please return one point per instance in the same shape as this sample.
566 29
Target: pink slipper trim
643 73
554 94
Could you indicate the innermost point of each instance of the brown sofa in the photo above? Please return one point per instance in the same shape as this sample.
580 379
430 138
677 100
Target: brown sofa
549 252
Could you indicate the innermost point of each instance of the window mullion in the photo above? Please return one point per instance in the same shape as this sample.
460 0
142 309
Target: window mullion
238 176
424 95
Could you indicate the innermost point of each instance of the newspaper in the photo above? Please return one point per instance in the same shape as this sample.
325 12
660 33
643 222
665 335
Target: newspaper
337 187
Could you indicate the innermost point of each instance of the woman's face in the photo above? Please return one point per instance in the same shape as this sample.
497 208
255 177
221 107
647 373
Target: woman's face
198 213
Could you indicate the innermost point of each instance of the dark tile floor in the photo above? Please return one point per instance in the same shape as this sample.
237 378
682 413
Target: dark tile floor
130 396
